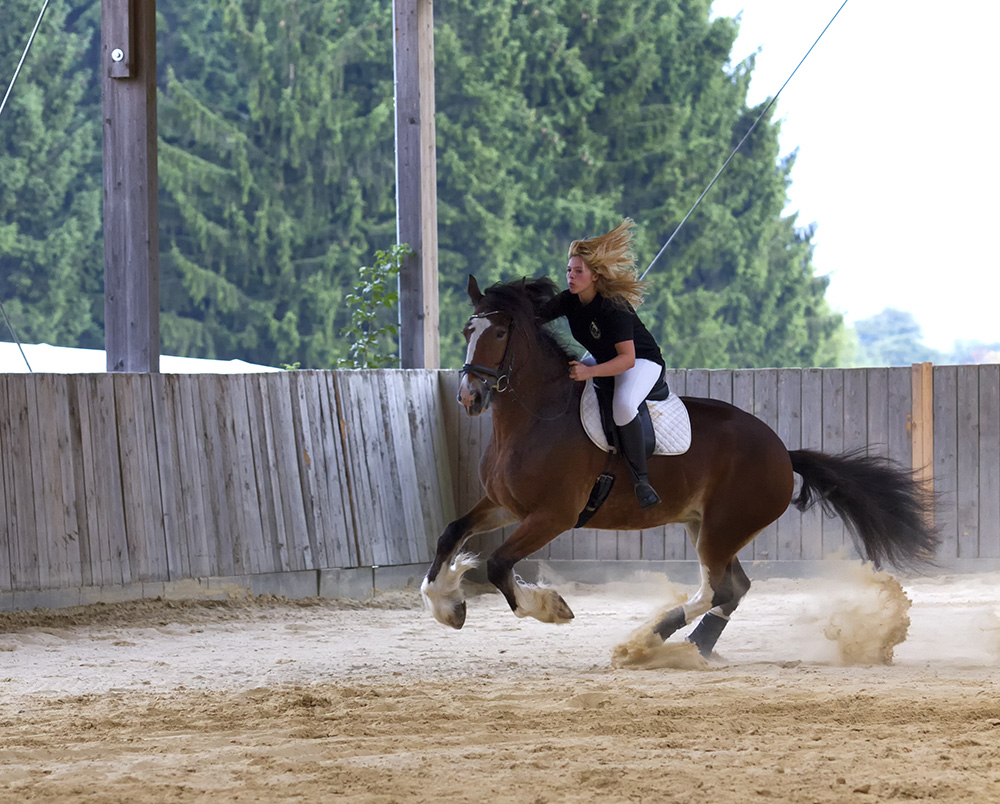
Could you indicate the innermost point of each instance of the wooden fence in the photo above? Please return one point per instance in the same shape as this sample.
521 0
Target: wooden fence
113 479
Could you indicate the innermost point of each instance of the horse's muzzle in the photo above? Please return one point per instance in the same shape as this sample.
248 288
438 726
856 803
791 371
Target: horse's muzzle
473 395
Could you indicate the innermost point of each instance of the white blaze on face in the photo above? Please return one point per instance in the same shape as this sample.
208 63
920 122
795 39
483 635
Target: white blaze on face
479 326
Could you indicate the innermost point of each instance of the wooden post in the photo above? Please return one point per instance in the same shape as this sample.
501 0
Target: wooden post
131 244
921 423
416 182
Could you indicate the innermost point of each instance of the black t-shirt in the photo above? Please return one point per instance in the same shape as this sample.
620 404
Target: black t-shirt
598 326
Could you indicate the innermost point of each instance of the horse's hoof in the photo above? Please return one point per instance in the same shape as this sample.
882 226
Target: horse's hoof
563 613
457 619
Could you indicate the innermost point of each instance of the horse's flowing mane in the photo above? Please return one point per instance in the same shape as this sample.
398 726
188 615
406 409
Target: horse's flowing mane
523 300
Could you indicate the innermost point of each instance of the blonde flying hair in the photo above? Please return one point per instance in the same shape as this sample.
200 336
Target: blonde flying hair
612 260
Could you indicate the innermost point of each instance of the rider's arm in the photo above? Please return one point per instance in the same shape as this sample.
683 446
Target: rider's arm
619 364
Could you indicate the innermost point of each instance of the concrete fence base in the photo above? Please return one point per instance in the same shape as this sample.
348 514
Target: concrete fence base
363 583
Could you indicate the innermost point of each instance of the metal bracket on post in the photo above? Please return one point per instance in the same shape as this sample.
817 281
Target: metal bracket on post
118 52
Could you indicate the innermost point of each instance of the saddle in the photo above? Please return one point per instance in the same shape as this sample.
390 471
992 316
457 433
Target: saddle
666 425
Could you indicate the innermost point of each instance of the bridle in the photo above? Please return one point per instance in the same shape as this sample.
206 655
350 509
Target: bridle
500 377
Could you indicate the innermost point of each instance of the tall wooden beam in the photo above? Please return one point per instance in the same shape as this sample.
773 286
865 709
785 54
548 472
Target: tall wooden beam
131 245
921 425
416 182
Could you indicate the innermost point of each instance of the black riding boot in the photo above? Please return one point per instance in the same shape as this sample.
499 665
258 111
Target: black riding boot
634 451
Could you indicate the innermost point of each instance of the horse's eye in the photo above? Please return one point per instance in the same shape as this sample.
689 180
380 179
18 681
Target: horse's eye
501 333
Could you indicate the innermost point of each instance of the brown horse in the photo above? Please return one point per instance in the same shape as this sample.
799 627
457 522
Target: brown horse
736 478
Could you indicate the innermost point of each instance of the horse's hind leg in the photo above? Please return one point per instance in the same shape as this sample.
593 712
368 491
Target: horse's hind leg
723 584
442 587
714 621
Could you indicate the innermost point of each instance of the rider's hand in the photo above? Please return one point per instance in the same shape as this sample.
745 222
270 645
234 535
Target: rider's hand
580 371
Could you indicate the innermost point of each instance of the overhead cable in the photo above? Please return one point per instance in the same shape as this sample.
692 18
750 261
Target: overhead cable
740 144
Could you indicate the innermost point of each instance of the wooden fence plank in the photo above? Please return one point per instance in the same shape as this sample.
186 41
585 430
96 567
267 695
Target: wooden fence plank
309 453
8 512
698 383
812 438
230 399
789 430
135 522
298 551
425 412
72 460
765 408
451 412
989 462
877 435
143 508
155 537
855 429
38 492
900 405
25 570
403 468
108 477
338 527
392 535
274 520
197 526
419 421
255 556
834 536
945 458
218 474
855 410
720 385
743 398
90 501
422 417
94 554
967 465
163 390
364 462
53 442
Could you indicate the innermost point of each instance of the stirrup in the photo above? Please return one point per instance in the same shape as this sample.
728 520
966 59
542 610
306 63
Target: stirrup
646 495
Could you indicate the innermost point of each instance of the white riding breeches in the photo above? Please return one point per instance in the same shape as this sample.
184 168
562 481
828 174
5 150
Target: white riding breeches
631 387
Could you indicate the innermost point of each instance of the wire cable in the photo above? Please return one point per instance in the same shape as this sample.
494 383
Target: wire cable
24 55
16 340
3 105
740 144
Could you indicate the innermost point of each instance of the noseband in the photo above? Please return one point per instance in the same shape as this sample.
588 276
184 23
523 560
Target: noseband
500 377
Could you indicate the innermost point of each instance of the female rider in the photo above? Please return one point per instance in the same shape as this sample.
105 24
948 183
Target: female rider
600 307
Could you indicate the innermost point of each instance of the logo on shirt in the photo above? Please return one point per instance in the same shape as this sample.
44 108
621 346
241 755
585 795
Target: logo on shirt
595 333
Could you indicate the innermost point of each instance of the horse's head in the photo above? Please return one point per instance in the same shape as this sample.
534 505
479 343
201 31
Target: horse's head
487 364
503 325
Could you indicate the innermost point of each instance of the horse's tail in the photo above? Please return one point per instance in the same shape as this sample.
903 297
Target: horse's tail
887 511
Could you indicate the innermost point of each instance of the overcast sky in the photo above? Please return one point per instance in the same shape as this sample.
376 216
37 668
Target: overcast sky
895 118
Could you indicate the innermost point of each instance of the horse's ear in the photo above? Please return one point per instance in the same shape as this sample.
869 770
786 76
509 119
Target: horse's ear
473 290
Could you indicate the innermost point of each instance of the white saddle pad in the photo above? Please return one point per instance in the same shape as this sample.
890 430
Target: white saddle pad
671 422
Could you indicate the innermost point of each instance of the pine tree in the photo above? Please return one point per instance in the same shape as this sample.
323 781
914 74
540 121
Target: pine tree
555 119
276 171
51 255
624 108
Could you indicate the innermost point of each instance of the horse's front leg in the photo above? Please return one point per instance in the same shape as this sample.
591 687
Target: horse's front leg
442 587
527 599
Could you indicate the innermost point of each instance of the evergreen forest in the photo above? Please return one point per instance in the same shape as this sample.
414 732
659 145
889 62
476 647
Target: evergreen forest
555 119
